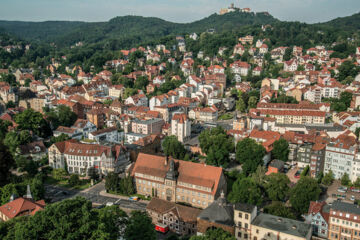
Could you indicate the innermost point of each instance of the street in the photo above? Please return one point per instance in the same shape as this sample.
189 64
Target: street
57 193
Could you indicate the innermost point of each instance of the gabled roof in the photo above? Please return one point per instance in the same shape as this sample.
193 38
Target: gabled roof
21 206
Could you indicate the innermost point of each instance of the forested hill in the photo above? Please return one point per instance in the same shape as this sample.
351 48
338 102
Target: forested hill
132 28
346 23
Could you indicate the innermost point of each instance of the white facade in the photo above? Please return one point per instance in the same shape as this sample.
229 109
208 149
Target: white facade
181 127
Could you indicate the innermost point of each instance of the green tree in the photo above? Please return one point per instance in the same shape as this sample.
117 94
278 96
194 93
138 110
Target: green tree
74 180
172 147
345 180
59 174
306 190
140 226
4 125
277 186
250 154
6 163
252 102
245 190
61 116
217 145
281 150
357 182
214 234
279 209
347 69
306 171
240 105
62 137
33 121
112 182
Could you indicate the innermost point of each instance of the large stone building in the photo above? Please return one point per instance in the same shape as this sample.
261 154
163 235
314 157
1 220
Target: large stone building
178 181
150 126
181 126
79 157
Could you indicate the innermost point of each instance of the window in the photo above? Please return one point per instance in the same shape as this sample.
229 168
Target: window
246 216
255 238
246 226
240 215
245 236
239 234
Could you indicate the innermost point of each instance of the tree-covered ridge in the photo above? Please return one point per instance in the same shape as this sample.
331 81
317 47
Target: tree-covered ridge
133 28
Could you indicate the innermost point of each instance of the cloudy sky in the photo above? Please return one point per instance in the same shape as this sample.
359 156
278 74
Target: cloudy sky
173 10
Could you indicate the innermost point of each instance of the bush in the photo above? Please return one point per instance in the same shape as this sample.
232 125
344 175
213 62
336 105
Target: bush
74 180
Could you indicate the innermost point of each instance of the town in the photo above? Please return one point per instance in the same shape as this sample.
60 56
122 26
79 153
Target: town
250 134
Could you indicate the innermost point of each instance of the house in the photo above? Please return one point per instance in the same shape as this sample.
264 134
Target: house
207 114
241 68
247 39
291 65
178 181
275 166
84 126
36 150
22 206
159 100
179 218
137 100
97 117
110 134
116 91
181 126
263 49
318 216
257 71
80 157
239 49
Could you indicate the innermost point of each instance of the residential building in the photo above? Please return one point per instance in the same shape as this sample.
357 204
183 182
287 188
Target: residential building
318 216
179 218
35 150
178 181
207 114
70 132
80 157
150 126
344 221
84 126
116 91
181 126
110 134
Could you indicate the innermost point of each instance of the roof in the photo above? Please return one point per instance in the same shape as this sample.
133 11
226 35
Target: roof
345 207
244 207
184 213
276 164
219 212
320 207
33 147
284 225
105 130
189 172
21 206
180 117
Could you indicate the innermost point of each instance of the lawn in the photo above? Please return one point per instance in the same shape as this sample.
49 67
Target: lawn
226 116
84 184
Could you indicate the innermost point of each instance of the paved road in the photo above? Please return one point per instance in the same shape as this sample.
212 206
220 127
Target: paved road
56 193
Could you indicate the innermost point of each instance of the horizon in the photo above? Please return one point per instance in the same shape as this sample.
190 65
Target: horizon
185 11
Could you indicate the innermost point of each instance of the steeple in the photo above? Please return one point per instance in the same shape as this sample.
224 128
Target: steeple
28 193
171 173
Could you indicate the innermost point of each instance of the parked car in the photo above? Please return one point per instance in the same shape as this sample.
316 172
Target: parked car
355 190
342 189
352 198
297 174
134 198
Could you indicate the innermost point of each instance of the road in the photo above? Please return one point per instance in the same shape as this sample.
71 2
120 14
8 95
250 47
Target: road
56 193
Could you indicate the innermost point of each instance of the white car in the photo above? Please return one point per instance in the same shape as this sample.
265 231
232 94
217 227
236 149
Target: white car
352 198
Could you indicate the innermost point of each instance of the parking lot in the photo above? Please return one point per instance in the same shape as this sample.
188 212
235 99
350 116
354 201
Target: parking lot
333 193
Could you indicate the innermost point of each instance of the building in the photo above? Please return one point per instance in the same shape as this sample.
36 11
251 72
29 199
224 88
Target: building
110 134
295 117
35 150
179 218
84 126
303 157
178 181
207 114
116 91
344 221
79 157
244 214
22 206
181 126
150 126
318 216
97 117
340 157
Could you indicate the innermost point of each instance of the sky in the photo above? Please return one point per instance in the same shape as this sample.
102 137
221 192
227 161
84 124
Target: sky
310 11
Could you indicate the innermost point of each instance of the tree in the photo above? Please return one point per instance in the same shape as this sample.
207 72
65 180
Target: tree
6 163
347 69
172 147
279 209
61 116
281 150
328 178
306 171
306 190
345 180
4 125
14 139
252 102
74 180
245 190
33 121
214 234
250 154
259 176
70 219
59 174
111 182
357 182
140 226
240 105
277 186
62 137
217 145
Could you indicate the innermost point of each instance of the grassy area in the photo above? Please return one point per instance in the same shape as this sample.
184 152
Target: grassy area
84 184
226 116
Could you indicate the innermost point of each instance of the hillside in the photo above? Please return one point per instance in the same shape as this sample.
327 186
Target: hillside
345 23
126 28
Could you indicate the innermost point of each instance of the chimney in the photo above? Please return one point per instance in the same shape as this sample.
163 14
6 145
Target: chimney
166 160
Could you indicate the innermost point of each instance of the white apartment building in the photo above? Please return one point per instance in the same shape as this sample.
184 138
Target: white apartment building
181 126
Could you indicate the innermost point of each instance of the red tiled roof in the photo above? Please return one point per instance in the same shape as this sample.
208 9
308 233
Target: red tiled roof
21 206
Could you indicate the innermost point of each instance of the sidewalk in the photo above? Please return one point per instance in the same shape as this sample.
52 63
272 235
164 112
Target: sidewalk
105 194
